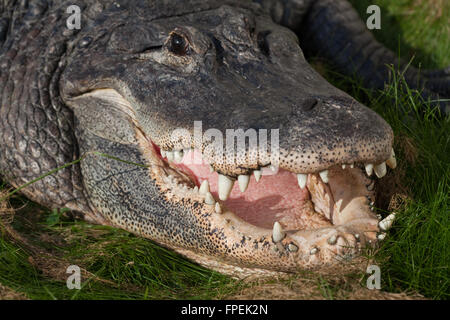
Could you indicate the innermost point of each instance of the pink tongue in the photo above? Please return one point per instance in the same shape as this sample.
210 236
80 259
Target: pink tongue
272 198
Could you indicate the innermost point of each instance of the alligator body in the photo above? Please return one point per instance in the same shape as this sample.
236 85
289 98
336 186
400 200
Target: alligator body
114 92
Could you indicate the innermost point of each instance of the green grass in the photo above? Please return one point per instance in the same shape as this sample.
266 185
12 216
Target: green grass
414 257
419 28
121 265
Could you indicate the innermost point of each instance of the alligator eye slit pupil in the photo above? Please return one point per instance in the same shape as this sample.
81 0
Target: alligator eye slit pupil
178 45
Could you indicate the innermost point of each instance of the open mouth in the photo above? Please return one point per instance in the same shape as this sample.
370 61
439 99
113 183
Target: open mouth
279 205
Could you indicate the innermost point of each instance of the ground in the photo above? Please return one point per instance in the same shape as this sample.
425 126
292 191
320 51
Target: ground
37 245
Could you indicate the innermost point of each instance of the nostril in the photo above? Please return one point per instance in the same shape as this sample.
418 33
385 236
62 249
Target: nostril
262 42
310 103
219 50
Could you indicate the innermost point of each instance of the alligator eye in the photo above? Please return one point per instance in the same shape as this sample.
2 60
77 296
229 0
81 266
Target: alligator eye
178 44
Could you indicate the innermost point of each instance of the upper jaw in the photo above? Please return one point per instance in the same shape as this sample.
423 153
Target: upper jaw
335 132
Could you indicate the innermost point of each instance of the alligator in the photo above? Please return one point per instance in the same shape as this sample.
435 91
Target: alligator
108 97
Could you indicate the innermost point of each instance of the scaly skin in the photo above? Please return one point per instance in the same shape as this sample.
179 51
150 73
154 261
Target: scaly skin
117 87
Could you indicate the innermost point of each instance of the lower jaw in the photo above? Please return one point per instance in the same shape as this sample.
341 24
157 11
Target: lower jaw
242 251
255 258
308 240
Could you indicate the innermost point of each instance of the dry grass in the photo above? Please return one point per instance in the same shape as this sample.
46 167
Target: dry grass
315 289
49 263
9 294
434 8
343 282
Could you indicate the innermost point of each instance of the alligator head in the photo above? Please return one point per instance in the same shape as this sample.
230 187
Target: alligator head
133 85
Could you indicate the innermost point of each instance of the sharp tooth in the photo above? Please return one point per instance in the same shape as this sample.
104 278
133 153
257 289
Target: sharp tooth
292 247
386 224
381 236
204 187
178 156
225 186
380 170
313 251
302 180
169 155
163 153
324 176
277 234
257 174
218 208
332 240
243 182
369 169
371 186
352 165
343 167
357 237
195 189
392 161
209 199
211 169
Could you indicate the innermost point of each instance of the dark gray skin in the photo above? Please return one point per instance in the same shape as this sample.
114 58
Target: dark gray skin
240 68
